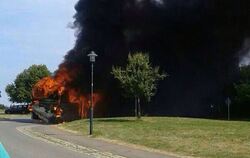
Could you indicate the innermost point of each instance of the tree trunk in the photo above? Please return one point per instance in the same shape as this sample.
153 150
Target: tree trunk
136 114
139 108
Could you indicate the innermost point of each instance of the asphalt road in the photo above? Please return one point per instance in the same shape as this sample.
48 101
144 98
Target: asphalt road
19 145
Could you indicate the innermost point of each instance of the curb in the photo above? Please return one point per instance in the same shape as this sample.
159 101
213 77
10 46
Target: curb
27 130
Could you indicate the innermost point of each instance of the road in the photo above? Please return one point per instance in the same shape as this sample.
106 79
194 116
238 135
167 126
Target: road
19 145
22 137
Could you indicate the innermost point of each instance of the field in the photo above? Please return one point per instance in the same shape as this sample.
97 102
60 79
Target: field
183 136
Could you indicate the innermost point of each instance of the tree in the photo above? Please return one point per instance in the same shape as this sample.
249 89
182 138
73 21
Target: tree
242 93
243 86
245 74
139 79
20 91
2 107
11 91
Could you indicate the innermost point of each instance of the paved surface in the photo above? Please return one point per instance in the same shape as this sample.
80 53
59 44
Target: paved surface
101 146
19 145
23 138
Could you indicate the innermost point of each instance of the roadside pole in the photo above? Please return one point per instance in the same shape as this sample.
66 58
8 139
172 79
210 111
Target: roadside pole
92 57
228 102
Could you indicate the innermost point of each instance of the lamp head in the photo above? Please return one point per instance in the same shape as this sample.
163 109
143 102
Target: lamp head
92 56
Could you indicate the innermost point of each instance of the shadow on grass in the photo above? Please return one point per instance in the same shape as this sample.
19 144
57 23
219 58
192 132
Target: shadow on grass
232 119
118 120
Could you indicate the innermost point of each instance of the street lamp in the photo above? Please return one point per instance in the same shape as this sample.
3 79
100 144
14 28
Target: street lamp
228 102
92 56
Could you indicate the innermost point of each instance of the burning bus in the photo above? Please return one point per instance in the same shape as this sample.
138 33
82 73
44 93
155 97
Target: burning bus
54 102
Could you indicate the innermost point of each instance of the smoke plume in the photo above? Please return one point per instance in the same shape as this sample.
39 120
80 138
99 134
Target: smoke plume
198 43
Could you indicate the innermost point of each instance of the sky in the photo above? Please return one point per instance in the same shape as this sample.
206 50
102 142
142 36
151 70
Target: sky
33 32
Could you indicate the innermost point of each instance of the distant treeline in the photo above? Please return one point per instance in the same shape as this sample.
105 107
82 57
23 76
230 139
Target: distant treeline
2 106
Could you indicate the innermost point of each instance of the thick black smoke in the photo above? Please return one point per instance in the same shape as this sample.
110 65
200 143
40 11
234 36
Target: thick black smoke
196 41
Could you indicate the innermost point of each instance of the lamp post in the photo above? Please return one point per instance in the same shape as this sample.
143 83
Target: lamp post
228 102
92 56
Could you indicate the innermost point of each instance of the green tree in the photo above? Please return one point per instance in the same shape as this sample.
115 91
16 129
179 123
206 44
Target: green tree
241 98
243 86
21 90
243 93
139 79
12 92
245 74
2 107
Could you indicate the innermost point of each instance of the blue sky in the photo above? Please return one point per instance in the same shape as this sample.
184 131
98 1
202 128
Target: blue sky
33 32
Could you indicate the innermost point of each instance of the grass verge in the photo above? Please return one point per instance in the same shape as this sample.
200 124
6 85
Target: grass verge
1 113
11 116
185 136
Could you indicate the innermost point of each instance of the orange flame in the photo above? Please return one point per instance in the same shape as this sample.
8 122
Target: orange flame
57 85
82 101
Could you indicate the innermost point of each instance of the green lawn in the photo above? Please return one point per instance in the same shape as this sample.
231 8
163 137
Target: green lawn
184 136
